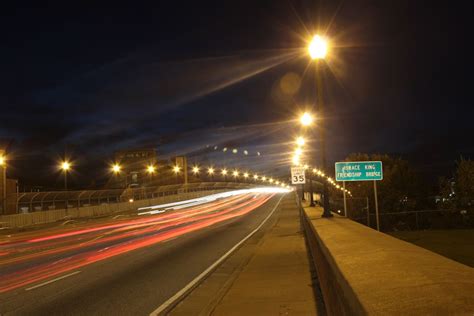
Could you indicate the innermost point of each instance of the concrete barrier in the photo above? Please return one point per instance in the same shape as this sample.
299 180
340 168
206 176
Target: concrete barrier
43 217
365 272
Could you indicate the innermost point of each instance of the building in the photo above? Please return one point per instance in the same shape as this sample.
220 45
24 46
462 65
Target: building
134 167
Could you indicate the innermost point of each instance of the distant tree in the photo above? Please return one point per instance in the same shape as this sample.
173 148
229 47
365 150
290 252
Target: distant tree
446 193
464 187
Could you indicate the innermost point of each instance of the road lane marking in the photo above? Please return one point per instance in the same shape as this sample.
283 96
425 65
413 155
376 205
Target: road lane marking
197 279
53 280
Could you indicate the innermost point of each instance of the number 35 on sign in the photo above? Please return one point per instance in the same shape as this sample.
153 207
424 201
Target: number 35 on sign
297 175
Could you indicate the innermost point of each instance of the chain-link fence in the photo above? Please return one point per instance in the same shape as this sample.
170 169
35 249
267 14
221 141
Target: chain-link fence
42 201
358 209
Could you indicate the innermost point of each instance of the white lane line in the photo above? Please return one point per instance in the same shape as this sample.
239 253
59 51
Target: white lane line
196 280
51 281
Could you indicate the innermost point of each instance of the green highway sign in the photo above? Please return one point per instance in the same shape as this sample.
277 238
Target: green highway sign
359 171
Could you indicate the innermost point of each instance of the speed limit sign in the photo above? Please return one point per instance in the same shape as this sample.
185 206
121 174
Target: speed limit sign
297 175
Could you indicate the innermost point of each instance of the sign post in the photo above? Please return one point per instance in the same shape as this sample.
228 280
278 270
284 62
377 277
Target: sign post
361 171
345 202
376 206
298 177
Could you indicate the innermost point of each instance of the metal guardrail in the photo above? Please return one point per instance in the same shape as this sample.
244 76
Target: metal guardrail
42 201
358 210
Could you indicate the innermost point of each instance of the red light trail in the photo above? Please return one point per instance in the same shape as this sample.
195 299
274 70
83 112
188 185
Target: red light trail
40 255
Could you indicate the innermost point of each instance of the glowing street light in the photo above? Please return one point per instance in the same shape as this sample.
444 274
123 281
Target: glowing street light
255 176
116 168
3 161
235 173
246 175
264 178
298 151
306 119
65 166
300 141
318 47
296 159
210 170
151 169
224 172
176 169
195 170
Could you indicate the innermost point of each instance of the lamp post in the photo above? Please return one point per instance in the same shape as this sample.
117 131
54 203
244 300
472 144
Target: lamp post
195 171
115 169
176 170
3 176
210 172
317 50
235 174
65 167
151 169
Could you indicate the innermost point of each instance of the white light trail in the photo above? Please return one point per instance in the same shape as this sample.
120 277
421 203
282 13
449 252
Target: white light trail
156 209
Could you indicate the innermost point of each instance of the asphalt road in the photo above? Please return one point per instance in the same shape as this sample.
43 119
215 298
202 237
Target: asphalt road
125 266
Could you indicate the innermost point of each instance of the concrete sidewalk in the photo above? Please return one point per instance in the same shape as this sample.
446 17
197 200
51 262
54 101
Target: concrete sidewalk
269 275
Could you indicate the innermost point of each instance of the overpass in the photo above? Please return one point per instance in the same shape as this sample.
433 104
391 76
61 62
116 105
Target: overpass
358 270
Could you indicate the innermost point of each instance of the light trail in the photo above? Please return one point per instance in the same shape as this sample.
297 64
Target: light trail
36 258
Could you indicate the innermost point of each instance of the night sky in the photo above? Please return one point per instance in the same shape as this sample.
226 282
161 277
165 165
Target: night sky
186 77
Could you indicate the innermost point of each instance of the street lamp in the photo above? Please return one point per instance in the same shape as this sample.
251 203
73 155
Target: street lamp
306 119
65 167
210 172
176 170
296 159
300 141
151 169
3 165
195 170
235 173
318 47
317 50
116 168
